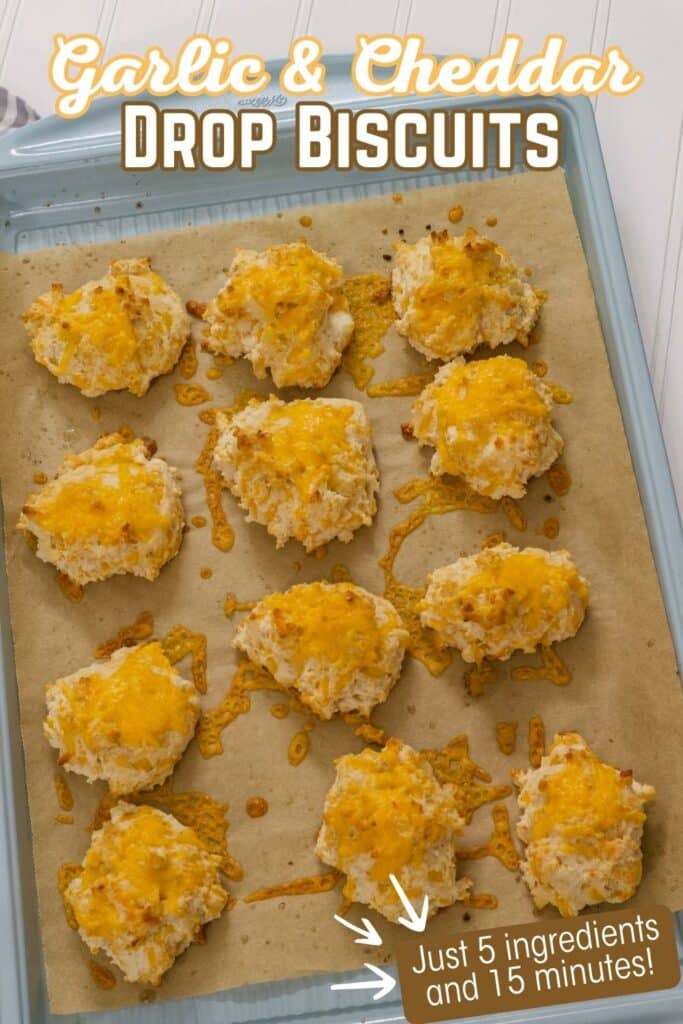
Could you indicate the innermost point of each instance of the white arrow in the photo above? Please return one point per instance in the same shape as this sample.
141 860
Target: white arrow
384 984
417 922
369 936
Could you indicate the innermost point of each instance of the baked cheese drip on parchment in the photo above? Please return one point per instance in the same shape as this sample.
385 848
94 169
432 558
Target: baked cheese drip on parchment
452 294
503 600
490 422
339 646
305 469
114 508
126 720
146 887
117 333
582 823
385 814
284 309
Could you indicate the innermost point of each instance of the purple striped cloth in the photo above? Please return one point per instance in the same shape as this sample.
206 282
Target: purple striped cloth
14 112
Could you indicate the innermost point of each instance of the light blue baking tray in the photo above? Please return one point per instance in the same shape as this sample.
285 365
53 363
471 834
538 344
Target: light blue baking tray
60 182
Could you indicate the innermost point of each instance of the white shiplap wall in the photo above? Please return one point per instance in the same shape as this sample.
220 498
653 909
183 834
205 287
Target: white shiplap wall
642 136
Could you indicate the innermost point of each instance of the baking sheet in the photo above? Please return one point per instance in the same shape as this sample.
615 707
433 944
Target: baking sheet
624 697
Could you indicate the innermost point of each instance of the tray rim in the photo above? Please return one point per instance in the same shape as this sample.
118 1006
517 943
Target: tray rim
630 374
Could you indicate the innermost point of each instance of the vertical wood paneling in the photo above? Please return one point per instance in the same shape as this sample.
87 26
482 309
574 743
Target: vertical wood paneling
668 354
667 329
338 24
602 16
535 21
672 386
136 25
583 24
29 48
257 27
500 24
106 22
640 139
402 17
10 9
205 16
302 21
458 26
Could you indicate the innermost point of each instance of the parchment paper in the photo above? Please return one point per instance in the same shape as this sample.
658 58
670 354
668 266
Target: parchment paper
625 695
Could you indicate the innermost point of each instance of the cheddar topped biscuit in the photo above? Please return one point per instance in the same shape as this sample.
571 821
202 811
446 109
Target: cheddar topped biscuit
490 423
452 294
340 647
503 600
386 814
285 310
126 720
146 888
115 508
582 821
114 334
303 469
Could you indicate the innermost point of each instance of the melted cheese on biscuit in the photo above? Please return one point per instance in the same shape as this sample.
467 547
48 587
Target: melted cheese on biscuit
137 705
295 288
117 332
114 508
303 440
304 469
382 814
582 821
584 799
453 294
121 501
502 600
464 276
492 395
285 310
104 321
137 874
491 424
339 646
336 625
519 583
308 433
